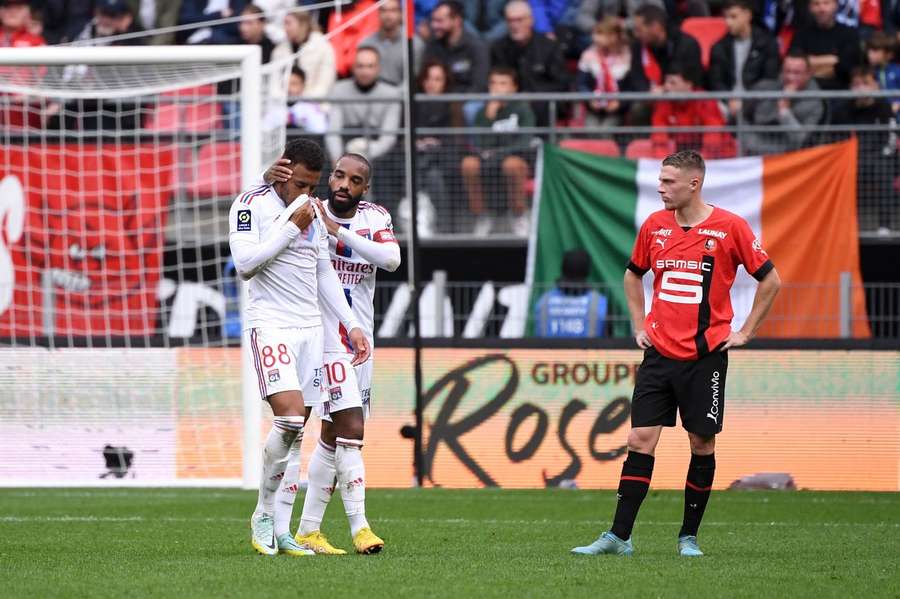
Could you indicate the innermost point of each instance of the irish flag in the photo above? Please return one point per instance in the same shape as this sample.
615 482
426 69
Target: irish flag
802 205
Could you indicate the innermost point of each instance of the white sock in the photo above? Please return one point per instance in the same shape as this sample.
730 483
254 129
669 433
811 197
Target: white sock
320 474
275 457
351 477
287 490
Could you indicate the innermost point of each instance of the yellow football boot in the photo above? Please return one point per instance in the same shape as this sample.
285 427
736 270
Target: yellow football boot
317 542
367 542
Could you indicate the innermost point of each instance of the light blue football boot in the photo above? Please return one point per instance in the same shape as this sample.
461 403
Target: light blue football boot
687 546
607 543
288 546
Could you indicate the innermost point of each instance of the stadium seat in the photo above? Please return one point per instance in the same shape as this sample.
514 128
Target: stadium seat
204 115
166 117
644 148
599 147
707 31
201 117
363 22
199 91
218 171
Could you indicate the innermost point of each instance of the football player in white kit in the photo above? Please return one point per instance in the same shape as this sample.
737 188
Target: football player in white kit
279 246
361 239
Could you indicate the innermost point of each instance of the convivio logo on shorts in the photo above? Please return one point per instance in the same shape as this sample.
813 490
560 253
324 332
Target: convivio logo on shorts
713 413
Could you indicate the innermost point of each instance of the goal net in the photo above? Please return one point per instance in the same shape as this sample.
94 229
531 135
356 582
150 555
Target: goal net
120 335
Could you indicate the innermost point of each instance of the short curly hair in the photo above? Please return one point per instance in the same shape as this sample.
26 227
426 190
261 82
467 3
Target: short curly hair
306 152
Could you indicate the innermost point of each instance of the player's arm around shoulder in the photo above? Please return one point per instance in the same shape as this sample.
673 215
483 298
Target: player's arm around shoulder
382 250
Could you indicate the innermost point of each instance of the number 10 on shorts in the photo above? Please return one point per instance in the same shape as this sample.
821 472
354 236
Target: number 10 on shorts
335 373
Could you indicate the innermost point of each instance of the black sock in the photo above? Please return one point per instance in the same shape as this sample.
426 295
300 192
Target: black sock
696 491
633 486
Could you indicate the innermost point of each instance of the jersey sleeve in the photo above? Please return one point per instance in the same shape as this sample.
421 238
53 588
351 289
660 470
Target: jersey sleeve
640 255
243 222
324 253
750 252
385 232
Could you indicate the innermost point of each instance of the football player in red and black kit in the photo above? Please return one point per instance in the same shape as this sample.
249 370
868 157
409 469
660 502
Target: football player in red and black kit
694 250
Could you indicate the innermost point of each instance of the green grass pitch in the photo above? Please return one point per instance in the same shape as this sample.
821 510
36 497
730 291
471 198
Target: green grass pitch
194 543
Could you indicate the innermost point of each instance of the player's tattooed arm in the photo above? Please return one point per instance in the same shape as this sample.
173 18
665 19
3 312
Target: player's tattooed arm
765 295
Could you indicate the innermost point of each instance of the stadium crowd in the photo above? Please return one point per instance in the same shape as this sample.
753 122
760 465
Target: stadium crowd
498 46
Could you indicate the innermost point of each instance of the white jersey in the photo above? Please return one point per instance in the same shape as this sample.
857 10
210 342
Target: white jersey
357 275
285 292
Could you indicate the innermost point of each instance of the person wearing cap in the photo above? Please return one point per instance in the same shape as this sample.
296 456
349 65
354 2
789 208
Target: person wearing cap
572 308
14 18
111 17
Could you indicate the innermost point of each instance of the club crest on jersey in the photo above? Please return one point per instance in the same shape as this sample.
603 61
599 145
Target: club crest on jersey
243 220
710 244
274 376
335 394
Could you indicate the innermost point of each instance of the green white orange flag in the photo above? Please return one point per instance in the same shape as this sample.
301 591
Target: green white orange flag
801 205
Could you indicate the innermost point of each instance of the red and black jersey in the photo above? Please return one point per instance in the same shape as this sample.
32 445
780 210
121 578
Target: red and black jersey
690 314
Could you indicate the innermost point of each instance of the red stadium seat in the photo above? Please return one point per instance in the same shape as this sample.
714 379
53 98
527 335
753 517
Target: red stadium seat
644 148
218 171
707 31
199 92
166 117
202 117
348 39
599 147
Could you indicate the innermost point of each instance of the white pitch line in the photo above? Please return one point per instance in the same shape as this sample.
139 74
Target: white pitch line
545 521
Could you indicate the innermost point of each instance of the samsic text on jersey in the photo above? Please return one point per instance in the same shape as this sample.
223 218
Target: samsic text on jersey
693 270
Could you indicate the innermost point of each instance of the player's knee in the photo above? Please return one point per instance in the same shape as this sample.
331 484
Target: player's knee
701 445
641 441
348 424
326 433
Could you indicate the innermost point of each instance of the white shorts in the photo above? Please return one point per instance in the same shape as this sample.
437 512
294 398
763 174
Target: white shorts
348 386
289 359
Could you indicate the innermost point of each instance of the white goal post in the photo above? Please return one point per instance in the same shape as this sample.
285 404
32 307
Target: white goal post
118 348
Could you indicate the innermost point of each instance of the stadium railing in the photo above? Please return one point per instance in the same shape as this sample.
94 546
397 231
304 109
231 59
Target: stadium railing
444 204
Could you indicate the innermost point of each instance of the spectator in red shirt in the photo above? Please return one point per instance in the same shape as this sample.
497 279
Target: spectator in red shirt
689 113
15 16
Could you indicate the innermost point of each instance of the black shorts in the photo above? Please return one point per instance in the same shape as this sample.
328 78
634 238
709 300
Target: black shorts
695 387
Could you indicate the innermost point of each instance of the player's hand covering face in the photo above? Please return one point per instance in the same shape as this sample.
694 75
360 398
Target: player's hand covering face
361 349
303 216
347 184
302 181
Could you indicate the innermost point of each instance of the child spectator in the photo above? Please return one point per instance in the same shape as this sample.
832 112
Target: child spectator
15 17
601 67
880 55
308 116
